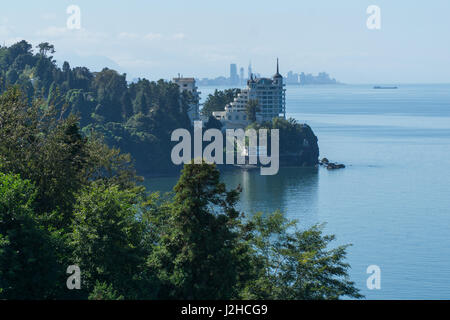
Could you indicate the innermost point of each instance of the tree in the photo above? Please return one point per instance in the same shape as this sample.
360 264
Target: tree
45 47
28 264
104 101
113 99
103 291
17 49
295 265
218 100
251 109
106 239
213 123
49 152
195 256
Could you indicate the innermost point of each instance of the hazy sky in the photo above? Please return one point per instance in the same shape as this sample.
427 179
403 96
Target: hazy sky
158 39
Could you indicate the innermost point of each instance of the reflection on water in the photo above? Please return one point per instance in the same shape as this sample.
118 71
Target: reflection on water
292 190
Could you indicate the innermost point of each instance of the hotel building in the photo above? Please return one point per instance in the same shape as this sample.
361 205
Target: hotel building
270 94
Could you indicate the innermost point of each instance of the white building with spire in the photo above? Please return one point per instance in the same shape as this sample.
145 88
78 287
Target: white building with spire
268 92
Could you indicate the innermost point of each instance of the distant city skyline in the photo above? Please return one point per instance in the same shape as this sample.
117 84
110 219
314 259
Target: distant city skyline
239 80
159 40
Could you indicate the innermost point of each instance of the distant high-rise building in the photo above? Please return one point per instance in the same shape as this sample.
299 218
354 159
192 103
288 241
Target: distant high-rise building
234 78
292 78
250 72
242 76
321 78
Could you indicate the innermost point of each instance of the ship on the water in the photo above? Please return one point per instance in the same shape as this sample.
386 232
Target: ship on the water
381 87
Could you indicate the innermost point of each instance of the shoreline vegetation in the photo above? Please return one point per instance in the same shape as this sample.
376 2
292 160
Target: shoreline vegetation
70 197
137 118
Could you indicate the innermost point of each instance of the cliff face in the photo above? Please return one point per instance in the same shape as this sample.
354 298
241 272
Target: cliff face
298 143
301 152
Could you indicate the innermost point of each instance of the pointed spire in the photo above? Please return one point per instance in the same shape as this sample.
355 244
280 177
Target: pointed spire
278 75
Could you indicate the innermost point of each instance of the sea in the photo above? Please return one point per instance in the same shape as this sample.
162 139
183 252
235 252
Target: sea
391 202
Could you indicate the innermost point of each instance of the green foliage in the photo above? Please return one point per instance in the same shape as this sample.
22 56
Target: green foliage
52 154
113 101
296 265
298 143
103 291
67 198
28 263
204 249
218 100
195 256
106 240
49 152
45 47
137 118
251 109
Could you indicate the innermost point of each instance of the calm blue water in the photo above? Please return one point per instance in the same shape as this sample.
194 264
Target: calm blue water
392 202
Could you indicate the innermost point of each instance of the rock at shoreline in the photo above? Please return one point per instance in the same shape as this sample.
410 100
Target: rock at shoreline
331 165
